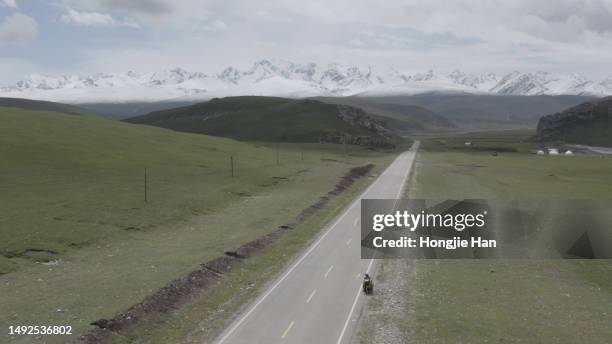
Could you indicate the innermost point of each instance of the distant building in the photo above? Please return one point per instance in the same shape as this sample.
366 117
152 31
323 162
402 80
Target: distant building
540 152
553 151
468 144
569 152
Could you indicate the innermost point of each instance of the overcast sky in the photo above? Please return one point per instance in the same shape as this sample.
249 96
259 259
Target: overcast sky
87 36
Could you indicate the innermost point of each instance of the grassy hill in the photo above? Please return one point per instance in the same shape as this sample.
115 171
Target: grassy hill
403 118
28 104
487 111
74 223
588 123
84 175
87 171
273 119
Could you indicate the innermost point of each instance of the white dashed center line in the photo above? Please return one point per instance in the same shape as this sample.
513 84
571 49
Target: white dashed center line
287 330
311 295
328 271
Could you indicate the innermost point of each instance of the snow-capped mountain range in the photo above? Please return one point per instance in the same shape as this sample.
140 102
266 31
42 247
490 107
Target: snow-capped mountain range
293 80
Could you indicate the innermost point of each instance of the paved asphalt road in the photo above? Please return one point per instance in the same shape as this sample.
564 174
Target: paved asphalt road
593 149
318 299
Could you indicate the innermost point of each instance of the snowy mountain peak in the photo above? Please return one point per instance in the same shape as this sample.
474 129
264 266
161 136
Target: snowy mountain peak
173 76
427 76
607 83
285 78
230 74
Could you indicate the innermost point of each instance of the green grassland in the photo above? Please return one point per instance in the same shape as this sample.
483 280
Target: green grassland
498 301
446 168
78 241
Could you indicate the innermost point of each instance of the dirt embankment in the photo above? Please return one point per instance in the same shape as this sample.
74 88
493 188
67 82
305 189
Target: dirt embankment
179 291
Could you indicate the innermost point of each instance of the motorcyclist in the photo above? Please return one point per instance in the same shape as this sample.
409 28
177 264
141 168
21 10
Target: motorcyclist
366 281
367 284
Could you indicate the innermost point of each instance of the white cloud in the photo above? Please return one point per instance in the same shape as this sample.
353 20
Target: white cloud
95 19
150 7
212 26
10 3
474 35
18 29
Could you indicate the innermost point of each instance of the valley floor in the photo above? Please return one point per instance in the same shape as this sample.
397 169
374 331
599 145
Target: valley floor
495 301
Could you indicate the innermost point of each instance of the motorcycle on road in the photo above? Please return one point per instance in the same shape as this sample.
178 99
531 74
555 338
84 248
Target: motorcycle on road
368 287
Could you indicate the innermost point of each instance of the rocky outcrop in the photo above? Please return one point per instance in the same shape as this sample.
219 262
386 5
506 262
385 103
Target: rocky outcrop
379 137
358 117
587 123
366 141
